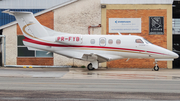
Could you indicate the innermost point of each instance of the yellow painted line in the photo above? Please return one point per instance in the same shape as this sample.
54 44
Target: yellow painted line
30 67
24 66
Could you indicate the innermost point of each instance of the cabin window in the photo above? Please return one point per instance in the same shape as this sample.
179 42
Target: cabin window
118 41
92 41
102 41
139 41
110 41
24 52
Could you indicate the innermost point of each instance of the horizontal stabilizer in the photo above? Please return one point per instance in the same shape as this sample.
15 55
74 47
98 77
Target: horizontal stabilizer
13 12
100 57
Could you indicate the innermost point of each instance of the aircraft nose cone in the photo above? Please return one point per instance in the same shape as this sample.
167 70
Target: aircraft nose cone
176 56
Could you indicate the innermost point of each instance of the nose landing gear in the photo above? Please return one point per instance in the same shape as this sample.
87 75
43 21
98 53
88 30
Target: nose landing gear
156 67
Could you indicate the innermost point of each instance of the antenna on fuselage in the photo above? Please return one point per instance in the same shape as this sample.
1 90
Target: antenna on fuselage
119 33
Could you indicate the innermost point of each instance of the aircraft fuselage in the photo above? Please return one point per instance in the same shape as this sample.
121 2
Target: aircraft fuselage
115 46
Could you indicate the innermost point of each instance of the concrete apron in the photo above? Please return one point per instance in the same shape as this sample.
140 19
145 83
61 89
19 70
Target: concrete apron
116 73
83 73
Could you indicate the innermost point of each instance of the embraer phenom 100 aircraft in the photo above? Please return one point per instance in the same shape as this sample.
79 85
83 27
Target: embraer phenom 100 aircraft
93 48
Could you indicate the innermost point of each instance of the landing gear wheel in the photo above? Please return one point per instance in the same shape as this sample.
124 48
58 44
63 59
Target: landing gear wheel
90 67
156 68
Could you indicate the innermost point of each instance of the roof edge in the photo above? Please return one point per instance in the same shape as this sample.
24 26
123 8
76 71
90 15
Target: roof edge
41 12
136 1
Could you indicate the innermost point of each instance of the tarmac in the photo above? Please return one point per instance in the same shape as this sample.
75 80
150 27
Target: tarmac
117 73
80 84
83 73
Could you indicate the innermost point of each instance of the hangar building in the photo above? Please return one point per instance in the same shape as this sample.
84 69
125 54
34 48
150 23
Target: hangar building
77 16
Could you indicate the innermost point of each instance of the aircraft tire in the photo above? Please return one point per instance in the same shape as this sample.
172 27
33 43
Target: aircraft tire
90 67
156 68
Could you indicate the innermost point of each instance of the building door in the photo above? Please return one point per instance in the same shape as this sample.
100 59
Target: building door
176 49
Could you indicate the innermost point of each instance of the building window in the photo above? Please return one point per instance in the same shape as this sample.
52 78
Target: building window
118 41
43 54
24 52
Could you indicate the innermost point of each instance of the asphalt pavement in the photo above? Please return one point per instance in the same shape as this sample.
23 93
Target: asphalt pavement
79 84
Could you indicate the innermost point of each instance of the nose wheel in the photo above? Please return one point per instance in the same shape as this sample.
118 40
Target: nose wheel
156 67
90 67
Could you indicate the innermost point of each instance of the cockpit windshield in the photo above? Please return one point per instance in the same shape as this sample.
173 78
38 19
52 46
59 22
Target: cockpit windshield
148 42
139 41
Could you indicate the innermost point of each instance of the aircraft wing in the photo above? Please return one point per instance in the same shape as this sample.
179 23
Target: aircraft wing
88 57
100 57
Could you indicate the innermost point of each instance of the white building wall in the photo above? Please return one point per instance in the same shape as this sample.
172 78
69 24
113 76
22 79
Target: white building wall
75 18
11 44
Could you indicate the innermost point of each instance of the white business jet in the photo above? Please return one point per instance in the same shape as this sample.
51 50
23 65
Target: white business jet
93 48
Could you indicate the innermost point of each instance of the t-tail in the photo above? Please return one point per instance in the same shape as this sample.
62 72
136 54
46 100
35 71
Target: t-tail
30 27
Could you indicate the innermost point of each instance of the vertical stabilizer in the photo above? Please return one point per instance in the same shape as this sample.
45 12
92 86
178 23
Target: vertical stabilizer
29 25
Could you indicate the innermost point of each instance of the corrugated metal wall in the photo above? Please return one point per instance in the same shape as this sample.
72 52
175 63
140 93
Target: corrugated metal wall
6 18
136 1
25 5
30 4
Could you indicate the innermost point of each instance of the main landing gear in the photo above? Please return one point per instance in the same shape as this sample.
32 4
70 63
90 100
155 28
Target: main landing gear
156 67
93 65
90 67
